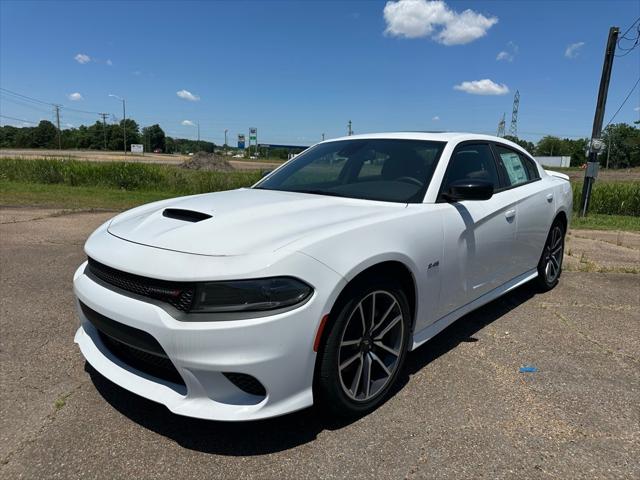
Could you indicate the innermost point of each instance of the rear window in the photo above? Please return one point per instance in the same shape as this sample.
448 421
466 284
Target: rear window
517 167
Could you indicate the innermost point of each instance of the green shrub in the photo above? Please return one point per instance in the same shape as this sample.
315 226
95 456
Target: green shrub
123 176
611 198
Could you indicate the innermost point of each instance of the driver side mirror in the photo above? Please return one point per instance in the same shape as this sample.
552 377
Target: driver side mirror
468 189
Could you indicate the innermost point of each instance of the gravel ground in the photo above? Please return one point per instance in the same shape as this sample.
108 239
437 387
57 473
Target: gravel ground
462 410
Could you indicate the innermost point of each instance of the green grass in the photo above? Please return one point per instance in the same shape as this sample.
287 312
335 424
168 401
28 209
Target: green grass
611 198
595 221
64 196
122 176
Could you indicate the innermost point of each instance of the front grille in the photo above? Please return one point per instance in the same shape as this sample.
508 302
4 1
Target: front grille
246 383
135 347
178 294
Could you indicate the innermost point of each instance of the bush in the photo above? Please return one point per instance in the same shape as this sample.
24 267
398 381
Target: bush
611 198
123 176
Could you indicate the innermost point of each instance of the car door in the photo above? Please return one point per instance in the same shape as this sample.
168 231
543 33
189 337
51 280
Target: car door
478 234
535 205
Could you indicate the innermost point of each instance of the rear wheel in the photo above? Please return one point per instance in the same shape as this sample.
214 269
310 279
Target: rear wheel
550 265
364 350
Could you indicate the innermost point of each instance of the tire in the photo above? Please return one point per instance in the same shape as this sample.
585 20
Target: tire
358 343
550 264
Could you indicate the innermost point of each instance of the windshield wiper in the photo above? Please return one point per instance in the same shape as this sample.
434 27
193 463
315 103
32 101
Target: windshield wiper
320 192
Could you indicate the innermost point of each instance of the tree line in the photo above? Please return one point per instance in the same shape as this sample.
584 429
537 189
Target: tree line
99 136
622 141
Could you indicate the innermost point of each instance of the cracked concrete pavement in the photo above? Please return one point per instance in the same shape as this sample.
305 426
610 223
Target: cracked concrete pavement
462 409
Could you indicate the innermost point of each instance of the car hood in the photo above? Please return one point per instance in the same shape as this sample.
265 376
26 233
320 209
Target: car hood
245 221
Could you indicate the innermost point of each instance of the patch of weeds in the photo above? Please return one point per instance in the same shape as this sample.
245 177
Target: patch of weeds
61 401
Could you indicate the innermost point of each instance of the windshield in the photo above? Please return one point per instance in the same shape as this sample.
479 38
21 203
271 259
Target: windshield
372 169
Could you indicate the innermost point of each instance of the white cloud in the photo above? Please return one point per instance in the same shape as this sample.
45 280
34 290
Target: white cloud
188 123
573 50
69 125
109 62
82 58
75 97
483 87
504 56
637 109
187 95
508 54
436 118
422 18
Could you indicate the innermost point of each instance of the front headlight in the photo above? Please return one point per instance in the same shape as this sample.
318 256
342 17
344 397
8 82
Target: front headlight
249 295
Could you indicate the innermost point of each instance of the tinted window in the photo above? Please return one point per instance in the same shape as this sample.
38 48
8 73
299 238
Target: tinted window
518 168
375 169
471 162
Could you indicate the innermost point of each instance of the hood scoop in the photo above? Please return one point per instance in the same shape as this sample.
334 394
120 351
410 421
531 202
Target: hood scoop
185 215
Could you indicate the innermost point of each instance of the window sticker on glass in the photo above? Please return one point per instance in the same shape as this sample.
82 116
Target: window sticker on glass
515 169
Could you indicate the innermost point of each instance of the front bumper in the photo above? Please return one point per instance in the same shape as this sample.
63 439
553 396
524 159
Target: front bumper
276 350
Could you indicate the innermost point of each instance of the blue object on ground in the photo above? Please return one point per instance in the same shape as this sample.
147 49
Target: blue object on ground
528 369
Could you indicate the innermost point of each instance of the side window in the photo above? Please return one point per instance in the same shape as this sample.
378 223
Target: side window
471 161
518 168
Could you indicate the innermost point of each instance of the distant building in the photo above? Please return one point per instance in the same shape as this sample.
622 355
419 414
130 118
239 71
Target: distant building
289 148
561 162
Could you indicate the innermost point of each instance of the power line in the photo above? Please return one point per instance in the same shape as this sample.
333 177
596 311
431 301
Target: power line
623 102
630 27
635 39
18 119
25 96
28 98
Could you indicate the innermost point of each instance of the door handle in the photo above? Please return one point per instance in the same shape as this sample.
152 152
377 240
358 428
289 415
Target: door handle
509 214
550 197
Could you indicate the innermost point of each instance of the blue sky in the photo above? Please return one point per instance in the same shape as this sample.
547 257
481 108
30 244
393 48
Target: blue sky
296 70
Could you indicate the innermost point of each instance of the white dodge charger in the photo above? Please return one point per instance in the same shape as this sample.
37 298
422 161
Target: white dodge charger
312 285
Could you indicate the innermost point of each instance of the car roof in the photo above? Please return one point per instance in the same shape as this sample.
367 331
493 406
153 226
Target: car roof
429 136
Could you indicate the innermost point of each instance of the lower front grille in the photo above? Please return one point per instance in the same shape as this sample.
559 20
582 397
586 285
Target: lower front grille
246 383
154 365
133 346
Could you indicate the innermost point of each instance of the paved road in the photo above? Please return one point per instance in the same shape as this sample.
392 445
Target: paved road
462 411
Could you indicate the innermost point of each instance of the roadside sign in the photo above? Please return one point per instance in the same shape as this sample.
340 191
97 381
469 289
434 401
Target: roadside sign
253 134
241 141
137 148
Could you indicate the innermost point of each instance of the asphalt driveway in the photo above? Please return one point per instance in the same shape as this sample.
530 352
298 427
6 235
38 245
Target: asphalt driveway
463 409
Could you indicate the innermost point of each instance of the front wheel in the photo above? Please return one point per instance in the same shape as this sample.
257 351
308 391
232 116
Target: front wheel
364 350
550 265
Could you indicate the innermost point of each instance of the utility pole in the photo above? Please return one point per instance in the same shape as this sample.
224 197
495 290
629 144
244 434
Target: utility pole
104 127
124 123
349 130
595 144
225 138
124 128
198 134
57 107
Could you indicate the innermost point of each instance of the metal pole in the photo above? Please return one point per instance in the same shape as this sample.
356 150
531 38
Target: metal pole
591 172
104 127
58 122
124 128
